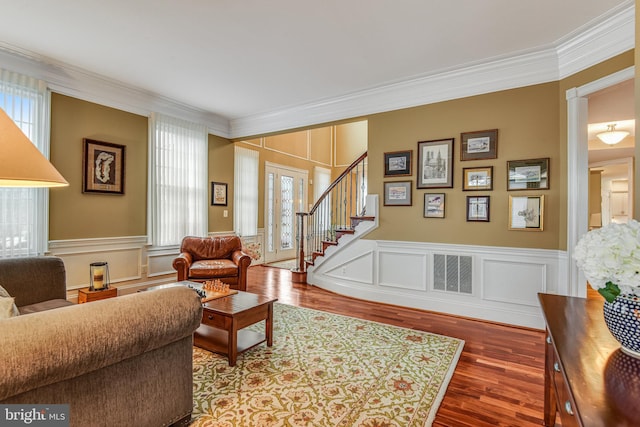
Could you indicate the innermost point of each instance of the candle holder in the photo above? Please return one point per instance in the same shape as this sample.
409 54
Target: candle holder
99 275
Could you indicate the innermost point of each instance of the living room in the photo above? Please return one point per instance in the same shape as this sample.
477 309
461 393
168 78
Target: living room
392 263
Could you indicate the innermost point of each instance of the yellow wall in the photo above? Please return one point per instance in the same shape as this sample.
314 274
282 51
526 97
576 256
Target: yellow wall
327 146
531 121
221 159
527 123
78 215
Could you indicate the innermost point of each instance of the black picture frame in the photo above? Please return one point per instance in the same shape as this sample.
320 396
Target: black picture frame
530 174
435 164
218 194
103 165
479 145
478 208
397 163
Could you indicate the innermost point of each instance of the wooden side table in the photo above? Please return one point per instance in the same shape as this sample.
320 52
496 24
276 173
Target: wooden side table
588 380
86 295
224 319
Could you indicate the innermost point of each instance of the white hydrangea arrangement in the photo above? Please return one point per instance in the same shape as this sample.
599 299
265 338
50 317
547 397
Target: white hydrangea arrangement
610 259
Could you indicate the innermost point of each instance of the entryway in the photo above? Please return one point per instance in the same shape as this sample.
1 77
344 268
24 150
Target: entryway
285 194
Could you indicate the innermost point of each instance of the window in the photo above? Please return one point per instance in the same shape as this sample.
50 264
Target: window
245 192
24 212
177 180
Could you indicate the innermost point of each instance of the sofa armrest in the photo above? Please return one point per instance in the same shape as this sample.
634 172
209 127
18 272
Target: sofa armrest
51 346
182 264
33 279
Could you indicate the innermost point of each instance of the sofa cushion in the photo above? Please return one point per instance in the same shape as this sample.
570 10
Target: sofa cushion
213 268
44 305
8 303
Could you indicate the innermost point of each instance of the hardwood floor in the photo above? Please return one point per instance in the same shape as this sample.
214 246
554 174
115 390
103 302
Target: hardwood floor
498 380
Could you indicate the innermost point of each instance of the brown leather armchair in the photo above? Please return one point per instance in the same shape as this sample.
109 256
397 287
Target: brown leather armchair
209 258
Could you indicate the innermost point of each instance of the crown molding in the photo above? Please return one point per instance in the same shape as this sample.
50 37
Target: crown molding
611 35
599 40
501 74
72 81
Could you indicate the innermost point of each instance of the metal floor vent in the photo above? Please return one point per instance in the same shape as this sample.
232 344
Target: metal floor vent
452 273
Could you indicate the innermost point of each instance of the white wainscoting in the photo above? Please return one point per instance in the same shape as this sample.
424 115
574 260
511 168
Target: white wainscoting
123 254
130 258
505 281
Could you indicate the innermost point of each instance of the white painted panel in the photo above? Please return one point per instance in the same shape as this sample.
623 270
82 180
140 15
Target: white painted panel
402 270
513 282
123 265
358 269
159 264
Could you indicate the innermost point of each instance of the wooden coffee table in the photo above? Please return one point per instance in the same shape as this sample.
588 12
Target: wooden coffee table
224 319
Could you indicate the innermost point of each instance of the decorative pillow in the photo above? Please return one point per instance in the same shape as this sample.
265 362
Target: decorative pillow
6 301
7 308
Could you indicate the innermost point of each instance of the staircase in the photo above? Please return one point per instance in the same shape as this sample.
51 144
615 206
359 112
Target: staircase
336 214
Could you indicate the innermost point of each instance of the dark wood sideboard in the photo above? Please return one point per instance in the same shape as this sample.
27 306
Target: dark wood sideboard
588 380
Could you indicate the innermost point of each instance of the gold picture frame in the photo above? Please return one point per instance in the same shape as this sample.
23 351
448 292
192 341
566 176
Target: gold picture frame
477 179
526 213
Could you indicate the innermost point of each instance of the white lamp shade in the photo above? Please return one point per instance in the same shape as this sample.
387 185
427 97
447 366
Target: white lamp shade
612 136
21 164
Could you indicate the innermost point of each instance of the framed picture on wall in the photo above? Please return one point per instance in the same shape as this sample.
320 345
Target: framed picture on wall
532 174
397 193
478 208
434 205
477 178
435 164
478 145
102 167
397 163
526 213
218 194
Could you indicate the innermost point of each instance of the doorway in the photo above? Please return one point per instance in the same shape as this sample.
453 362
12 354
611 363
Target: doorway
578 106
285 194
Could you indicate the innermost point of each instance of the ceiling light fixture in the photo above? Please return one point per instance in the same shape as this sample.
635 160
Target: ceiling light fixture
612 136
21 163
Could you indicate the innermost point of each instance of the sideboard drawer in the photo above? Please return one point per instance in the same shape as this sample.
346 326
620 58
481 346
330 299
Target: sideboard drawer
566 406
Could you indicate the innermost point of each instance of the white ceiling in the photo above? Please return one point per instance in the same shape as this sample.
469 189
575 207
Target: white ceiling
243 59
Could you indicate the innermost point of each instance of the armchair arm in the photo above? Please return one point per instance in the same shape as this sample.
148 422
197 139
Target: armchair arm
55 345
243 261
240 259
182 264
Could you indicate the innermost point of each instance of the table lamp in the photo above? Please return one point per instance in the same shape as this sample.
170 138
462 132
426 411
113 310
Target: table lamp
21 163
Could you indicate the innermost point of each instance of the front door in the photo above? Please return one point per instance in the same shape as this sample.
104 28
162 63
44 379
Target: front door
285 194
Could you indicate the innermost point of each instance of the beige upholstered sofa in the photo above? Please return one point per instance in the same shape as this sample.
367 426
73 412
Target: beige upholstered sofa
124 361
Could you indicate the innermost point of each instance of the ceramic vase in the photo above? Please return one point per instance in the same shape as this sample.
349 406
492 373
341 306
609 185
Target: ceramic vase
622 317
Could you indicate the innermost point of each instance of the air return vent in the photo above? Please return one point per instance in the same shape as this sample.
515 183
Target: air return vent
452 273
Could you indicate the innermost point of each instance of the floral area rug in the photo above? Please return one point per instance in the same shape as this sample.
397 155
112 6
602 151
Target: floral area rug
326 370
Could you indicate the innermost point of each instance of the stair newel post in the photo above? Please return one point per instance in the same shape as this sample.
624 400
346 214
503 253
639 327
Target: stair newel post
299 274
301 218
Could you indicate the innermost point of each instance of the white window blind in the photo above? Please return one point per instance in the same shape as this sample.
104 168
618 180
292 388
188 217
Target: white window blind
24 212
177 179
245 192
